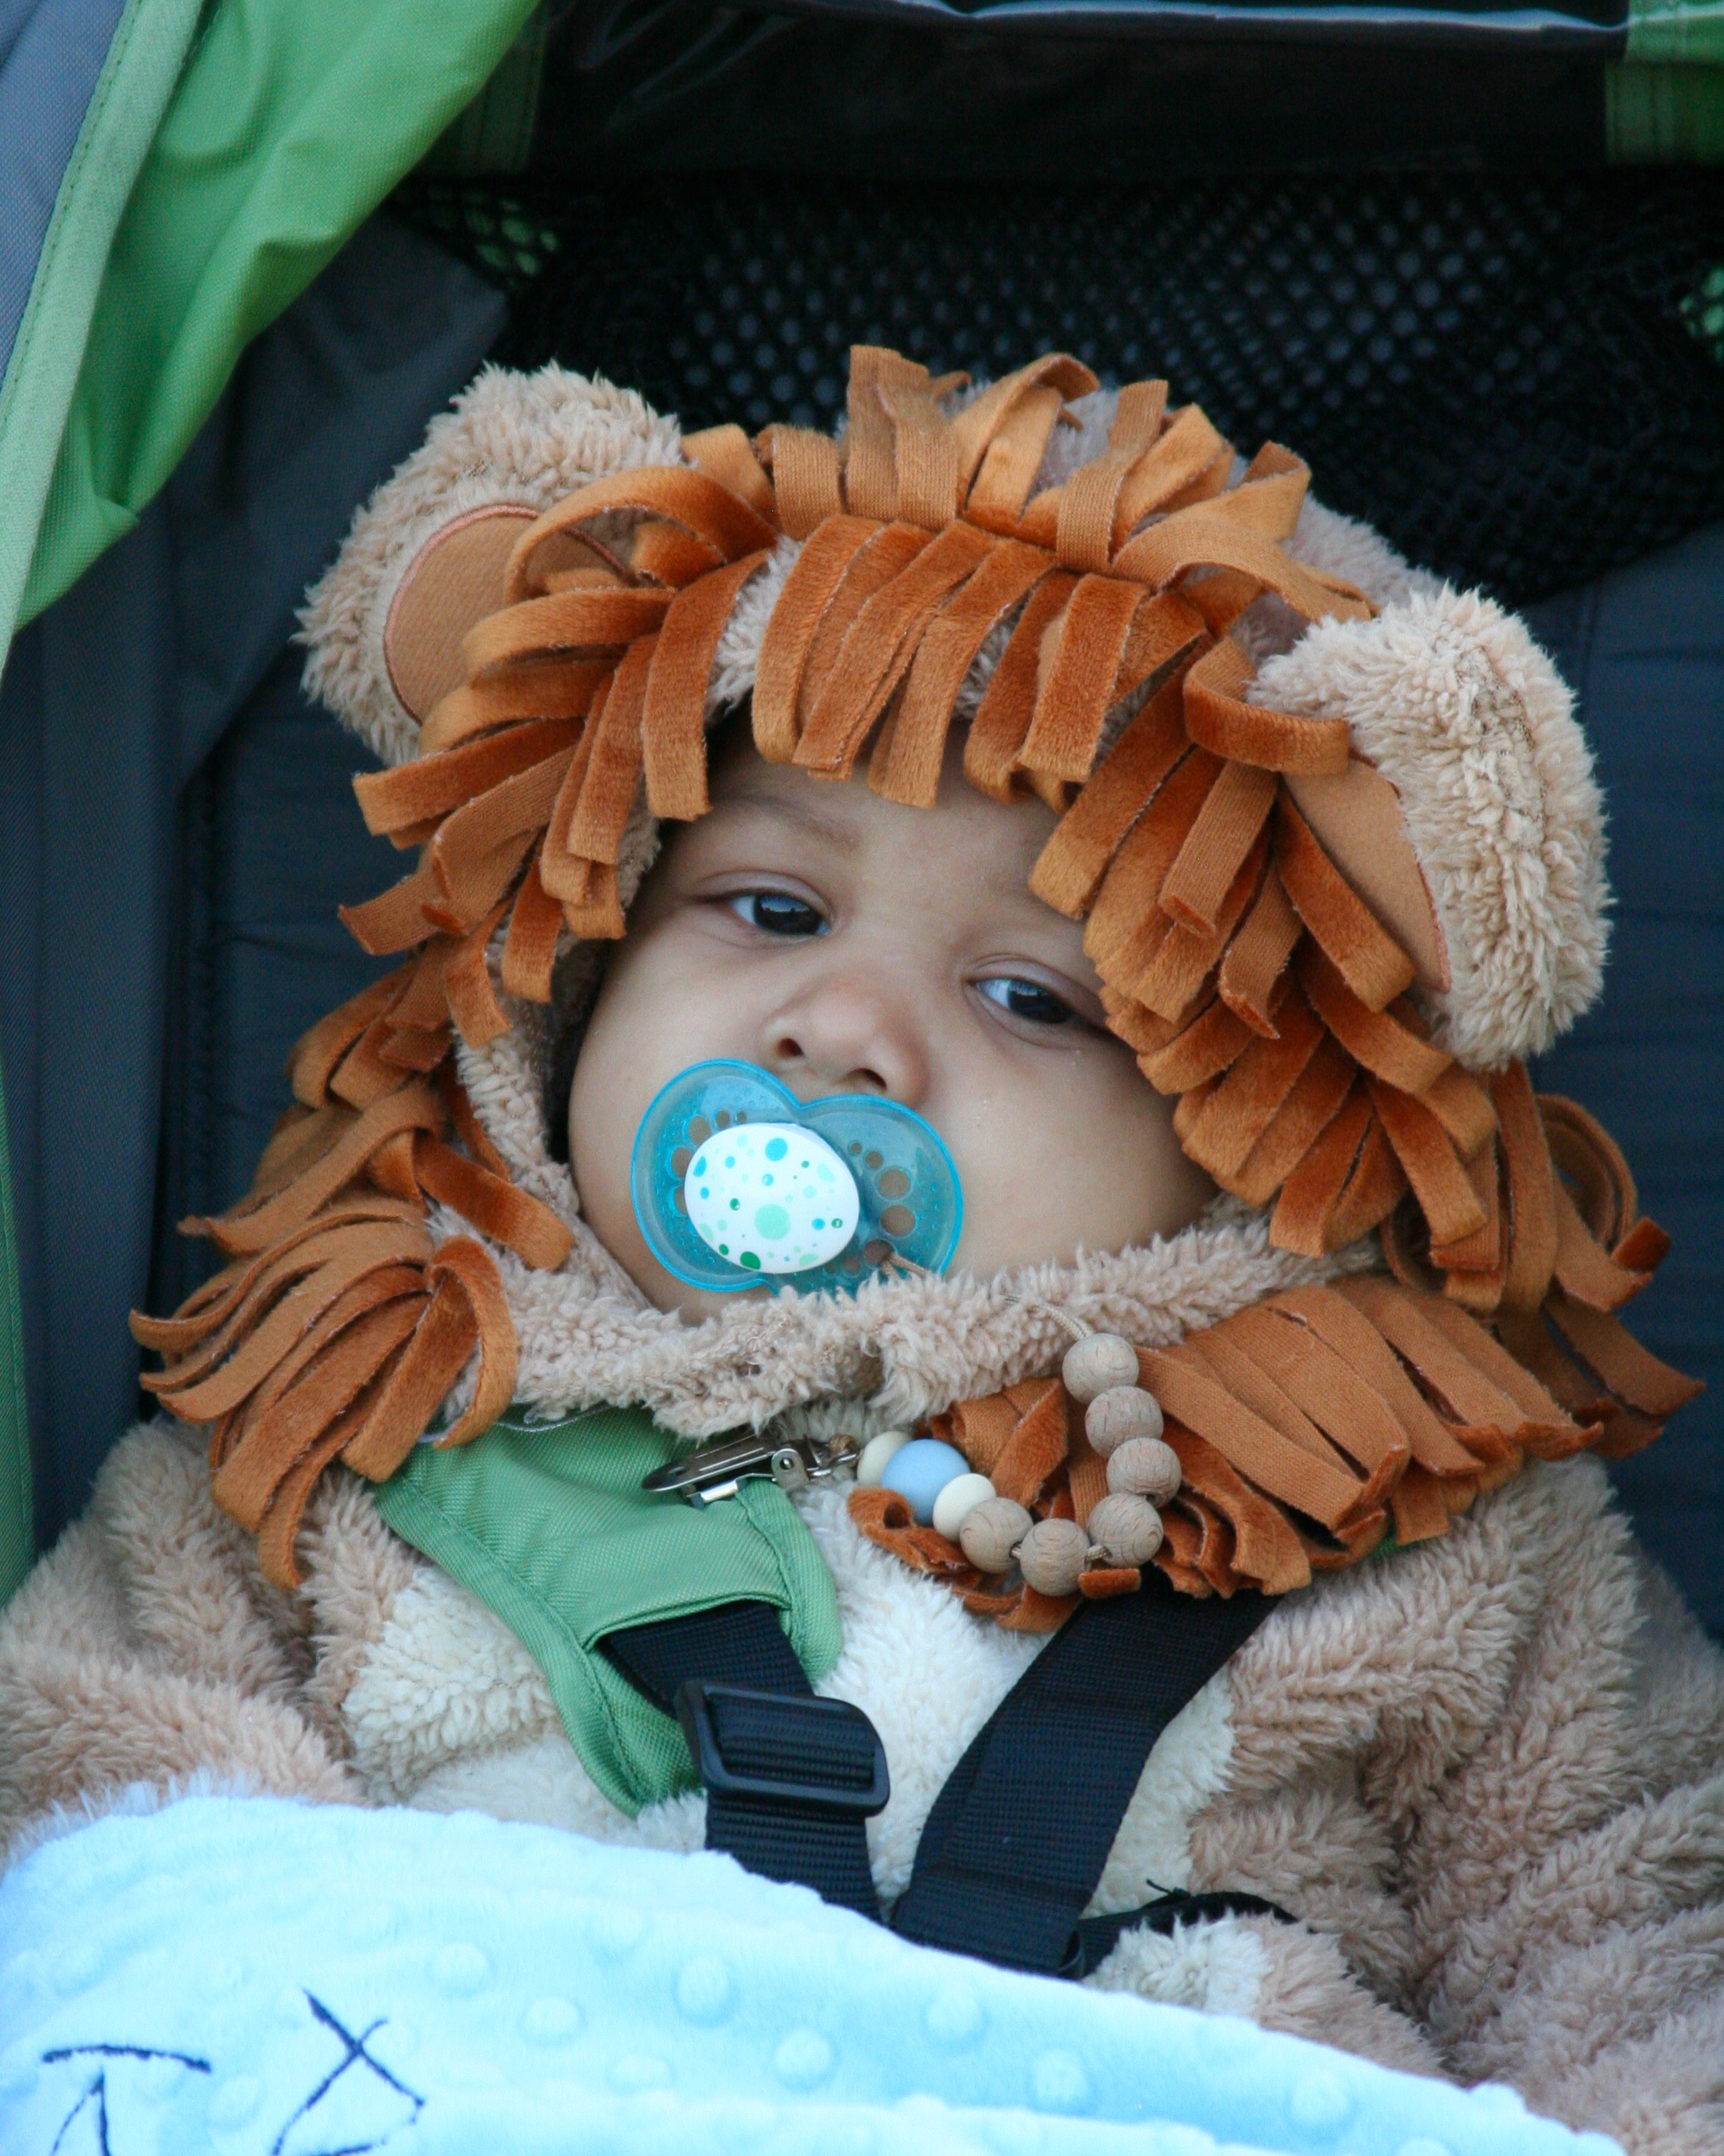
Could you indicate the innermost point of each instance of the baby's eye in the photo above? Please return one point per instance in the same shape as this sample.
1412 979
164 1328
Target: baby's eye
778 912
1027 999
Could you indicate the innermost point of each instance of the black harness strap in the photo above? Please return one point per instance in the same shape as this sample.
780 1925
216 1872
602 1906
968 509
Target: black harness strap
790 1779
1020 1836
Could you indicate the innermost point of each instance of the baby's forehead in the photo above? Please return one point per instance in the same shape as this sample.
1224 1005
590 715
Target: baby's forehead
972 833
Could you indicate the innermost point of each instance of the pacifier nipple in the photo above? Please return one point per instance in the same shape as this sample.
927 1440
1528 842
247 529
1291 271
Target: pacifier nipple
735 1181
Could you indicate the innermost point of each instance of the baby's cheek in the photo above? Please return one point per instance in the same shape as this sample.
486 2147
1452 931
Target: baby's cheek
1080 1156
660 1009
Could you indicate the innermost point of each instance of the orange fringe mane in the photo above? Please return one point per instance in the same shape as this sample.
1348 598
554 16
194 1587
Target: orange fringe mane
1238 962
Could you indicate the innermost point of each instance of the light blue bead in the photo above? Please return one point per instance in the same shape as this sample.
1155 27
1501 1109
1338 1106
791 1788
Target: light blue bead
920 1470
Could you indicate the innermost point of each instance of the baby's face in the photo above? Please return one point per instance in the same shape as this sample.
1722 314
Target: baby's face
850 945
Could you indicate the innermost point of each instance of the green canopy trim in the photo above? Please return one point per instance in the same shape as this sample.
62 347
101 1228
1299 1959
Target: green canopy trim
291 121
1677 33
131 94
1664 115
1666 105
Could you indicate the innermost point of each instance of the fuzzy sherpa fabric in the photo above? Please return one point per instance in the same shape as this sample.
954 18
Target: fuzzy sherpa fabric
1485 1776
1457 706
519 438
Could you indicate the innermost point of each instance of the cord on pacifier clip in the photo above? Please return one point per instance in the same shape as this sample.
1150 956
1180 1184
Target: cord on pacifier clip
736 1182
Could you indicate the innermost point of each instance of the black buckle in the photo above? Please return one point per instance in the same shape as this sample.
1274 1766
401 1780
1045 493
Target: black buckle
694 1702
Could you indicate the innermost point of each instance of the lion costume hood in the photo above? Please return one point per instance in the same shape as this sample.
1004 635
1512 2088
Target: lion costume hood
1332 828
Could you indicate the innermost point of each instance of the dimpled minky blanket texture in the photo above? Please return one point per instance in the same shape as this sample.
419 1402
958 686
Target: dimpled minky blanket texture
258 1978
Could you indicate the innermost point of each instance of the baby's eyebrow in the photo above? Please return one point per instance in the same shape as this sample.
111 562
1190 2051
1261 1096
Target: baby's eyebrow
806 814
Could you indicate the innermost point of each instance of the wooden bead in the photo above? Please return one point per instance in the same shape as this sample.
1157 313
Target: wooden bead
1122 1412
1144 1467
1053 1555
957 1500
991 1532
877 1456
1128 1529
1097 1363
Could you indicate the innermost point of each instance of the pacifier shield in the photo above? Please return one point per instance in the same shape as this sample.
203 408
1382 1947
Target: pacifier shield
735 1181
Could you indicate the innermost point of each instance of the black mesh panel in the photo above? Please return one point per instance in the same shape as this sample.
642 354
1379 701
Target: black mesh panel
1517 381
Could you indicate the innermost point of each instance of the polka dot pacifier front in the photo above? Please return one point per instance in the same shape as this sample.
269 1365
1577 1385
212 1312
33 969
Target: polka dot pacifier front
737 1182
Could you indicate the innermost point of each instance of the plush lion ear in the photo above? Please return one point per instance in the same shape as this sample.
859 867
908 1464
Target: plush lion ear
1452 702
1356 815
454 581
424 558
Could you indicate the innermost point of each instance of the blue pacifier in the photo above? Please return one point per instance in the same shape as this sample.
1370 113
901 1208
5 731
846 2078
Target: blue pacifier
735 1181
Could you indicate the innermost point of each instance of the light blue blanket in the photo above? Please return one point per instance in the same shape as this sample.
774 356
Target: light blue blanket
256 1978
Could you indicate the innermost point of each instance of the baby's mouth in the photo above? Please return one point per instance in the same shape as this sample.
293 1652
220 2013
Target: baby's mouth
736 1183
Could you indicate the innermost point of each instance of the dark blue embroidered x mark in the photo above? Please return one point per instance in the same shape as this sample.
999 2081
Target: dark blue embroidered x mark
355 2054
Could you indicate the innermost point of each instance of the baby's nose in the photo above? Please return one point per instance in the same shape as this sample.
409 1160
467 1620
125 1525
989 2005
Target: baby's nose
848 1032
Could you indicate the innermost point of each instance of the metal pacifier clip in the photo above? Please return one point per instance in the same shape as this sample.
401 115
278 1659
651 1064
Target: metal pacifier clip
737 1184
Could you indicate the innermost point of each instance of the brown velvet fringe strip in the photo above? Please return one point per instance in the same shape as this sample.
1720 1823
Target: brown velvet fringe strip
1322 1421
